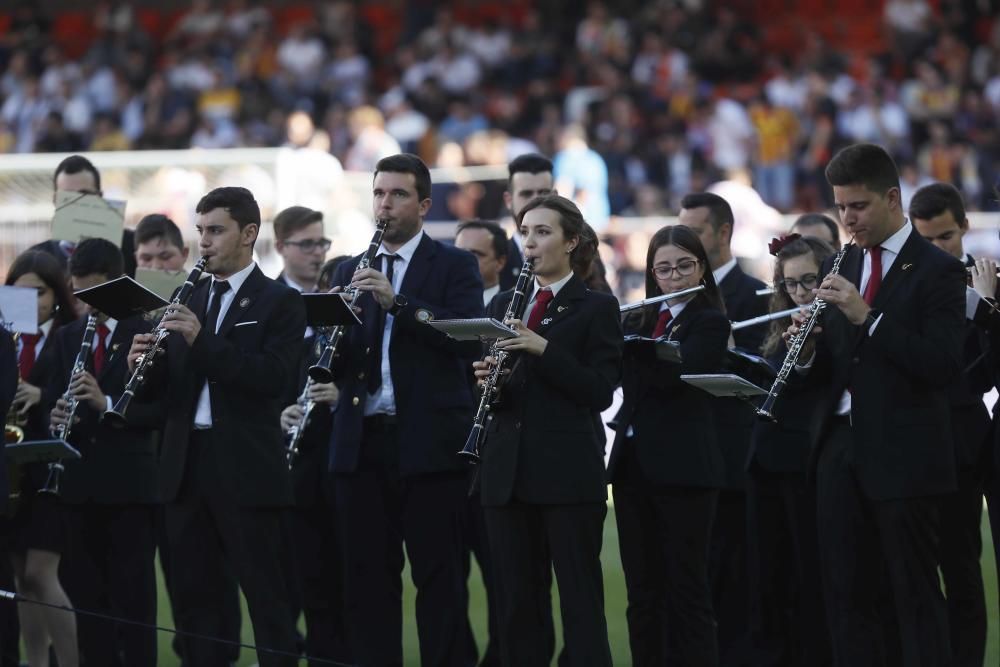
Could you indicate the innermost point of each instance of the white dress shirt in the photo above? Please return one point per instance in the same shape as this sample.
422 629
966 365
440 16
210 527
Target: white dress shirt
555 287
43 338
489 293
111 324
203 413
720 273
383 401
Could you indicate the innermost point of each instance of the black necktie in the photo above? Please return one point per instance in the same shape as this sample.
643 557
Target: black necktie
219 287
375 358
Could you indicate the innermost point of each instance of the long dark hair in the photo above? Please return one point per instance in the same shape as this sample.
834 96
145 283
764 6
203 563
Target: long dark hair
684 238
581 259
46 267
781 299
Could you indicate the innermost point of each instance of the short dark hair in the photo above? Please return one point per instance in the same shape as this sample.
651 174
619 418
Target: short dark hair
817 220
45 265
408 163
74 164
157 225
292 219
863 164
98 256
573 225
932 200
719 210
499 235
237 202
529 163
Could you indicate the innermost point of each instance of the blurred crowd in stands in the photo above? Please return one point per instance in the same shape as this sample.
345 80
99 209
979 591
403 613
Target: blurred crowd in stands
639 102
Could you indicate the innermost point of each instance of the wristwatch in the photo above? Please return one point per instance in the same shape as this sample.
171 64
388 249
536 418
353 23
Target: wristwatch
398 303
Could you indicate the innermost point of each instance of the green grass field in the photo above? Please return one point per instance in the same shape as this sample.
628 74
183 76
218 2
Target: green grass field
614 587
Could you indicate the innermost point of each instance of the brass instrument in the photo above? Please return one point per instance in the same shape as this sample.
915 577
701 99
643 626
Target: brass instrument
320 371
766 410
661 298
116 415
492 384
62 431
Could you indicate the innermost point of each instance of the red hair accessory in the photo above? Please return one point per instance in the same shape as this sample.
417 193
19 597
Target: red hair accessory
775 246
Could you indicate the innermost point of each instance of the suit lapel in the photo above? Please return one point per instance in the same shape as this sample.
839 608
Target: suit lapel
563 304
199 297
900 270
731 283
120 342
244 300
420 266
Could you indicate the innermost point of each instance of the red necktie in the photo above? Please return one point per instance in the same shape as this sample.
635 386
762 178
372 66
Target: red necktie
541 303
100 348
26 360
875 279
661 324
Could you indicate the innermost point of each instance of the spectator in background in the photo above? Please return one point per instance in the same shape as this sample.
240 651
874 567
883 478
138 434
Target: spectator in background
582 176
371 141
462 121
777 134
108 135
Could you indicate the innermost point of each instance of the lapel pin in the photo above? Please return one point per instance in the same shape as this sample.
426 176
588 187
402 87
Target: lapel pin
906 267
244 302
547 320
114 347
561 308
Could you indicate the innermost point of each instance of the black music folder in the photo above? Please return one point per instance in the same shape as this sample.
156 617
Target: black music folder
752 367
328 310
121 298
653 349
40 451
725 385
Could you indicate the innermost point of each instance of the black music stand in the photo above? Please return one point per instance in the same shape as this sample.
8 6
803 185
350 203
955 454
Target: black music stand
477 328
121 298
726 385
654 349
328 310
40 451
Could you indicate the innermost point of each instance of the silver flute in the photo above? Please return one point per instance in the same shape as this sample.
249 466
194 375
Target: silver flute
662 297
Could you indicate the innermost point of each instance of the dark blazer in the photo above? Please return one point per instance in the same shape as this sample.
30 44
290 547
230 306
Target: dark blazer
542 446
971 424
118 466
735 418
674 440
8 387
249 366
785 446
429 370
127 247
309 468
515 259
900 376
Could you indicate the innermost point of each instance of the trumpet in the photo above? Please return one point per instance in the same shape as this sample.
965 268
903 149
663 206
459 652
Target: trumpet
62 431
320 371
766 410
492 384
662 297
116 415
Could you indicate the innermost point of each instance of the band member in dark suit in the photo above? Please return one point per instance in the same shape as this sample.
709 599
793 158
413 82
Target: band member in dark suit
108 495
231 354
890 349
711 218
298 238
404 410
8 387
542 473
36 536
787 622
488 242
159 244
666 466
529 176
938 214
818 226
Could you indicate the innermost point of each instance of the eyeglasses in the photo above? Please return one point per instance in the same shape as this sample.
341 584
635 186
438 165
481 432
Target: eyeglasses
308 245
808 281
685 267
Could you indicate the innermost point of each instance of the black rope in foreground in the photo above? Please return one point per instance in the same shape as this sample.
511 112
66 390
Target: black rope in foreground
17 597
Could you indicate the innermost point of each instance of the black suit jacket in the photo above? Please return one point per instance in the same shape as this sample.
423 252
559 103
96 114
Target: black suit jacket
515 259
249 366
310 467
429 370
118 466
971 424
735 418
674 440
127 247
542 446
8 387
900 376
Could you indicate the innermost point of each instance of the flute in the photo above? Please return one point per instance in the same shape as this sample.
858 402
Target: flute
658 299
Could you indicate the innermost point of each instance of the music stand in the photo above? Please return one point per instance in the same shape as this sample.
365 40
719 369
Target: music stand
328 310
121 298
652 349
725 385
40 451
479 328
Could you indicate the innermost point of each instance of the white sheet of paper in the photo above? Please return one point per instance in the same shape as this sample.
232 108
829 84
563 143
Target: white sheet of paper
80 216
19 308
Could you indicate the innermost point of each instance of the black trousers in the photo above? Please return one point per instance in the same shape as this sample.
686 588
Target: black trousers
663 535
318 574
727 573
865 542
787 618
521 537
109 567
10 628
379 511
961 547
209 532
477 544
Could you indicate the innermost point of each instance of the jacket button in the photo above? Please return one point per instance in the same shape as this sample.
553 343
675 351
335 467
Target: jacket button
355 401
368 350
855 360
361 376
517 425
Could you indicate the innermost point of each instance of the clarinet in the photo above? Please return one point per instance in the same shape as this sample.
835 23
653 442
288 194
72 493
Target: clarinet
320 371
766 410
62 431
492 384
295 433
116 415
